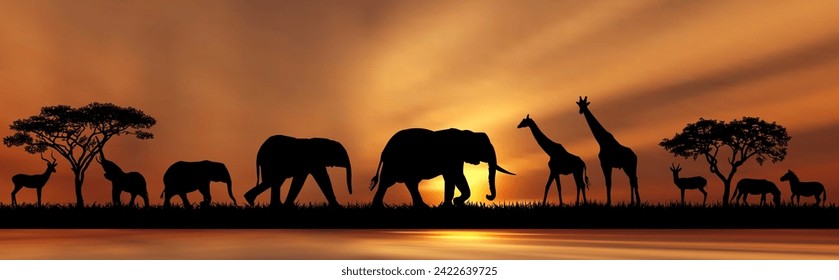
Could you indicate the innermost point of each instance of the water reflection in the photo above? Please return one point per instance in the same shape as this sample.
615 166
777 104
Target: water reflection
419 244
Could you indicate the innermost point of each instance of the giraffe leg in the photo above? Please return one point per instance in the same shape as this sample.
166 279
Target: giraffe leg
547 188
607 175
633 184
581 185
558 188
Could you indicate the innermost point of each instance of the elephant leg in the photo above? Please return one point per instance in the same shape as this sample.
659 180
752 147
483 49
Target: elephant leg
274 200
115 192
294 190
185 200
448 191
462 186
145 199
379 197
250 195
413 189
607 176
205 192
322 179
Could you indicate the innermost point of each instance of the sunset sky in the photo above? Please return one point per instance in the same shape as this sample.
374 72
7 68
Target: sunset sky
222 76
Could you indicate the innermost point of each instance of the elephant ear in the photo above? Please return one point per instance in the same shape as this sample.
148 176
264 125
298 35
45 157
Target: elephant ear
472 147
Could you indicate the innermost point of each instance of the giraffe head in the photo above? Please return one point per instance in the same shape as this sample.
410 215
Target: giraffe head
526 122
583 103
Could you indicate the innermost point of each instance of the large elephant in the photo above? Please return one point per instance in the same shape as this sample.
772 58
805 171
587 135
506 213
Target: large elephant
416 154
132 182
281 157
184 177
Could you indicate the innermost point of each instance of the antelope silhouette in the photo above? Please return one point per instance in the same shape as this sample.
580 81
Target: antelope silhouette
612 155
689 183
561 162
36 182
798 188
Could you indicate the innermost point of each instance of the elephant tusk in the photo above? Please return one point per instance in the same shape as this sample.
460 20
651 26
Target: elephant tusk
502 170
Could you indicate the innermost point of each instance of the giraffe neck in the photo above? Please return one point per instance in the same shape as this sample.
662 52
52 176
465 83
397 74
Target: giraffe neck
602 136
544 142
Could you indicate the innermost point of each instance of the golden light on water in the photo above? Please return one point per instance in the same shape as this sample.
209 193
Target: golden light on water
764 244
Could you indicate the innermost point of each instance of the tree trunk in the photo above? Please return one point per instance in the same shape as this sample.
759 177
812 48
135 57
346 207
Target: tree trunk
79 180
726 192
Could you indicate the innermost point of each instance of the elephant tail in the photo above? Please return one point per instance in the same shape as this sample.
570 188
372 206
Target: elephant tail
375 179
162 193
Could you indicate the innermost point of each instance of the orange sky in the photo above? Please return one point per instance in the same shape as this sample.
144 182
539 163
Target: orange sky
222 76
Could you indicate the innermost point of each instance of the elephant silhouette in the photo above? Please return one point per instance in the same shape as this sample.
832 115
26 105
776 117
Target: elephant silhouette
132 182
184 177
281 157
416 154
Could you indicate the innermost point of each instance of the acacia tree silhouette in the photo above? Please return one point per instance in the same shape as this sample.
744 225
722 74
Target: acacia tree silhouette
78 134
746 138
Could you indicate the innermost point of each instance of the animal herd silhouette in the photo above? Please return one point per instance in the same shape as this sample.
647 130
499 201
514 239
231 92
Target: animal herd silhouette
410 156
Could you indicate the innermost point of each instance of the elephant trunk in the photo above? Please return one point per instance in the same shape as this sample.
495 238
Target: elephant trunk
349 178
491 195
493 164
493 167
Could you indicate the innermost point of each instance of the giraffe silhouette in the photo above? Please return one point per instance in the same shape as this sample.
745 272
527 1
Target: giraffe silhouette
612 155
561 162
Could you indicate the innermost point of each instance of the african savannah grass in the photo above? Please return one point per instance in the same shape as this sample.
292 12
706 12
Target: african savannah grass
472 216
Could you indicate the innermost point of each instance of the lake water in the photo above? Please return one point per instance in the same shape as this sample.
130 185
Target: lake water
419 244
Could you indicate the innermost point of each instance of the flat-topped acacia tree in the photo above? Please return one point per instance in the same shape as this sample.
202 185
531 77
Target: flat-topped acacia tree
78 134
746 138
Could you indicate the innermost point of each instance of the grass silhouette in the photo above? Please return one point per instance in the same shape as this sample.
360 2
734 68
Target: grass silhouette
470 216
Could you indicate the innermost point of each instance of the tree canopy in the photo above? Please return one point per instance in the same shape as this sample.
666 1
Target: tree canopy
78 134
746 138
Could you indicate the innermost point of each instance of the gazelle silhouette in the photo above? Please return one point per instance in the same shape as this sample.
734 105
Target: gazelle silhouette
36 182
798 188
689 183
612 155
561 162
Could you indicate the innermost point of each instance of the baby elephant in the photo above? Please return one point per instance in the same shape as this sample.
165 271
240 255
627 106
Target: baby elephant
132 182
184 177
